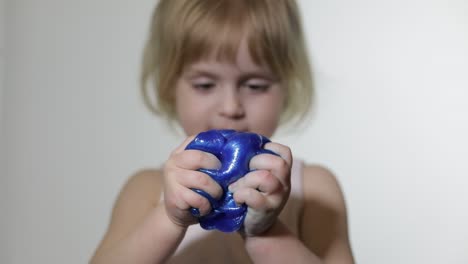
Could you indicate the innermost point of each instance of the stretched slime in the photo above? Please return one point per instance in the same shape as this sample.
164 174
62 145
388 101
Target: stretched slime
234 149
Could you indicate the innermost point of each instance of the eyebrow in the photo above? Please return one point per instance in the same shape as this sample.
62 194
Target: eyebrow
192 72
260 74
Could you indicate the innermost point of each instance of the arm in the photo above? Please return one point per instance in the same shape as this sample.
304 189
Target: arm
324 227
140 231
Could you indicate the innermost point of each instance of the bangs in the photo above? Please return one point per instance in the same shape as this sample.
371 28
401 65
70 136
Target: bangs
217 29
214 36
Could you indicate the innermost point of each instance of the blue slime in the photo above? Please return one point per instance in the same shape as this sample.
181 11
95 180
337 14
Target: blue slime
234 150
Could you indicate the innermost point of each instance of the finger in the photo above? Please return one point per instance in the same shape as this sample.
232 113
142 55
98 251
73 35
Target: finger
194 200
262 180
199 180
195 159
251 197
278 166
282 150
183 145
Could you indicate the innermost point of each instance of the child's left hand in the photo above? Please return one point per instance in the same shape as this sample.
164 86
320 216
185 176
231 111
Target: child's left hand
264 190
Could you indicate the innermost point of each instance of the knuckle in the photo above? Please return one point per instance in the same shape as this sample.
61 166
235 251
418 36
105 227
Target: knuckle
277 201
174 201
188 159
170 167
203 204
259 202
240 196
283 168
199 200
176 154
241 181
264 176
275 185
176 160
168 164
197 157
170 201
201 179
251 193
283 164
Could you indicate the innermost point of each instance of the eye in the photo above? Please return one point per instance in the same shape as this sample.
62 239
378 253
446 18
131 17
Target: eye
258 85
203 86
259 88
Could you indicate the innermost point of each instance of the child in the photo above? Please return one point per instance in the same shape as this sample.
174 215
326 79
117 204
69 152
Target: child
228 64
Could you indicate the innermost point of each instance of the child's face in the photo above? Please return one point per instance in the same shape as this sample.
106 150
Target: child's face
220 95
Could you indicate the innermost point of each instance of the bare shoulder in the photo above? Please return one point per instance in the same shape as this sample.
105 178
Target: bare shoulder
140 193
324 227
145 185
321 186
138 196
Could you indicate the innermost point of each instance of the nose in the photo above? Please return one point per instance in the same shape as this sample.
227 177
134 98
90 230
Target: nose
231 105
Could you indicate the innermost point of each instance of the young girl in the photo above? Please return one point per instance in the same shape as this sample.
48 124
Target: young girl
228 64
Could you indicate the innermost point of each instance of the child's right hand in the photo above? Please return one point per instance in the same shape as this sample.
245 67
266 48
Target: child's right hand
181 176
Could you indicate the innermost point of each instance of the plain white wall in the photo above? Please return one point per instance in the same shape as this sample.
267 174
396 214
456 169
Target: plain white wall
3 197
391 121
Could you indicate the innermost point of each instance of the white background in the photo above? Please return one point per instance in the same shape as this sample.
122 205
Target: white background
391 120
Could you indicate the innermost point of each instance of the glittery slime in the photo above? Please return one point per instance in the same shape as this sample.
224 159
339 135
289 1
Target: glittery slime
234 150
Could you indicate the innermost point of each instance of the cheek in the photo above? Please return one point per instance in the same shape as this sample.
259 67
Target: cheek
188 121
267 115
183 107
191 114
184 99
276 104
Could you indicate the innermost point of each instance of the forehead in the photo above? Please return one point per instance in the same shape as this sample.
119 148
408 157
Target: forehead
226 45
240 64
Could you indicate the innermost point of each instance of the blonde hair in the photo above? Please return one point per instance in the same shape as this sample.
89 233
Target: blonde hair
184 31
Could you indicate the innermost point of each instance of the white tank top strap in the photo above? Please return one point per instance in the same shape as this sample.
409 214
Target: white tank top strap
297 171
